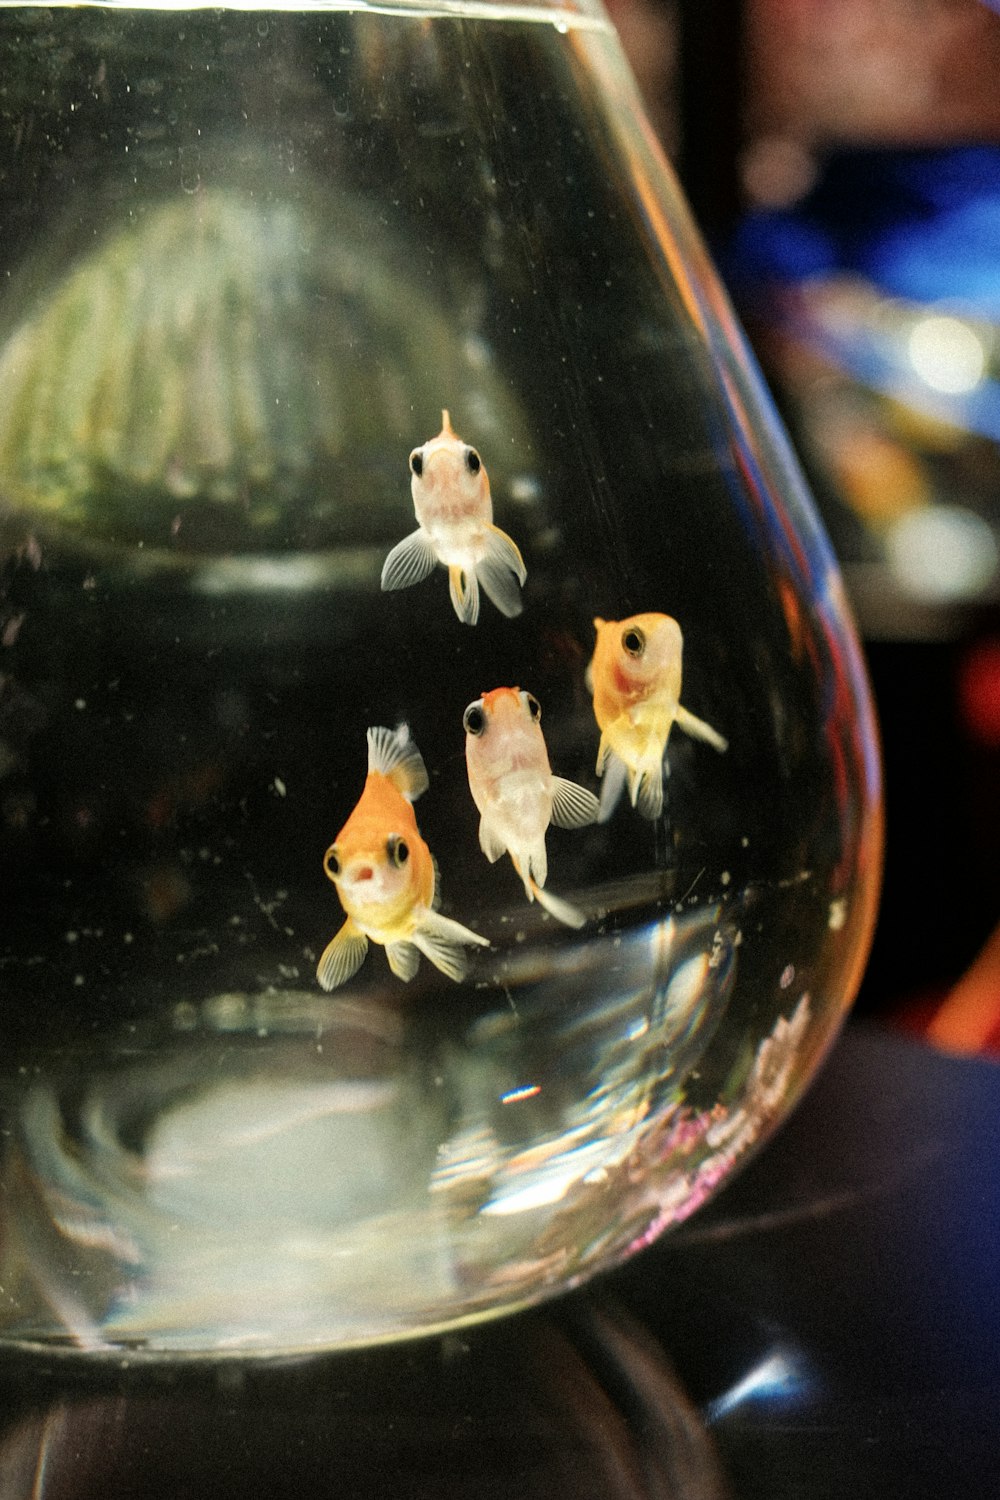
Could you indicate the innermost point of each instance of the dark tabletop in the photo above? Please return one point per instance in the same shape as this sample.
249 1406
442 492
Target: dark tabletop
828 1328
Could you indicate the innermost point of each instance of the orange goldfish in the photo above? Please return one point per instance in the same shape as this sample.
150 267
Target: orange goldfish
385 874
451 498
516 792
635 677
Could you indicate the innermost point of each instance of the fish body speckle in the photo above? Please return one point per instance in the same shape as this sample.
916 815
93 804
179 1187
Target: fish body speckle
454 510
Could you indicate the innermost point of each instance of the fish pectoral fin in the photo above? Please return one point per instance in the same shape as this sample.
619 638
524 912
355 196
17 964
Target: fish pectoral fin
464 591
409 561
443 942
501 572
563 911
604 754
588 677
342 957
392 753
404 959
572 805
699 730
490 842
612 785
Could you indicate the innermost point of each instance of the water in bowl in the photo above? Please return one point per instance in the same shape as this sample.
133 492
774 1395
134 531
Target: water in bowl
249 256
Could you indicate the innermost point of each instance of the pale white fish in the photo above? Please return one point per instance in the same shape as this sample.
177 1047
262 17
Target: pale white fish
451 498
516 793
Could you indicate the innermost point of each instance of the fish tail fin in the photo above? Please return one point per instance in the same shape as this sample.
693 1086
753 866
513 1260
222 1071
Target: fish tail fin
444 942
464 590
563 911
612 771
646 789
502 573
533 868
699 730
342 957
393 754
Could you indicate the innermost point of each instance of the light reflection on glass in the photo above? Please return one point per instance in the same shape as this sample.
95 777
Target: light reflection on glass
782 1376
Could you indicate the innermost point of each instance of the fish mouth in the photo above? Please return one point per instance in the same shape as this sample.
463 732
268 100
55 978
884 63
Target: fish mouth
362 881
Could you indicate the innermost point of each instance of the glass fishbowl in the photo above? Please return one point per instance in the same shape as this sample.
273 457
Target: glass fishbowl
439 799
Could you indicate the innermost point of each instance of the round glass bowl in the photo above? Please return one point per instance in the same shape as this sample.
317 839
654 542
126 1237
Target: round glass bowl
251 256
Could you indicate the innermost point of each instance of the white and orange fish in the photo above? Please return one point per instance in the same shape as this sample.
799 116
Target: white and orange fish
635 677
451 498
516 793
385 874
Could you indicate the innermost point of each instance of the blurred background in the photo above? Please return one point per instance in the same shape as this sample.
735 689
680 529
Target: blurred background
843 160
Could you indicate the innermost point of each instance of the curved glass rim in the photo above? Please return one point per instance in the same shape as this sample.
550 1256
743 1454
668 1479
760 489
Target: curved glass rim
576 13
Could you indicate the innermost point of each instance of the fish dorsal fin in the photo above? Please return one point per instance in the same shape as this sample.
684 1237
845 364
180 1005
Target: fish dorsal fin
393 754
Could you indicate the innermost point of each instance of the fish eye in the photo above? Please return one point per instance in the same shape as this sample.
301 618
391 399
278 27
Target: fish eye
417 462
634 641
534 707
398 851
472 461
474 720
331 862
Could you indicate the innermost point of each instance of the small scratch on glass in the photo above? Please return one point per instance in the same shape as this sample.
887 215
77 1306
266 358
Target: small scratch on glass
693 884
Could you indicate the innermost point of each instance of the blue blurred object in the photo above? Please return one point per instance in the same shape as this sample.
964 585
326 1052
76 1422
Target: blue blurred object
919 224
875 301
